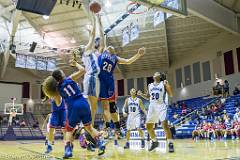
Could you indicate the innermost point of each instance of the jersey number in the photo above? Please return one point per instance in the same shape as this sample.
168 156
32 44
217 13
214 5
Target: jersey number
155 96
132 109
107 67
69 90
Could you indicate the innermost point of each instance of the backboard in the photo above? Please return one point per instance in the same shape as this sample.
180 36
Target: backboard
9 108
175 7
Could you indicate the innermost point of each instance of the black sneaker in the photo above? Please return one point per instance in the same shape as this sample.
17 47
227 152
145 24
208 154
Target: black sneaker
154 145
126 145
170 147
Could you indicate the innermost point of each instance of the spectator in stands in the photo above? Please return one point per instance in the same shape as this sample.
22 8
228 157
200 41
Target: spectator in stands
17 122
22 123
36 125
219 127
175 116
1 120
190 109
228 128
218 89
225 115
211 132
226 89
236 116
184 109
236 91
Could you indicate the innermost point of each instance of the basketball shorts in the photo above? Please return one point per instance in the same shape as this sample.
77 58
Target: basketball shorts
91 85
79 111
107 88
58 119
133 121
156 112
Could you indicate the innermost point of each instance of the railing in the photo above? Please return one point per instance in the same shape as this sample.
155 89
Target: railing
179 121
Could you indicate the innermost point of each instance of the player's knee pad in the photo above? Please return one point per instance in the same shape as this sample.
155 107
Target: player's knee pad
113 107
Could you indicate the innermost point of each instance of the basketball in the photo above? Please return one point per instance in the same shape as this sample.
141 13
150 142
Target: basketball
95 7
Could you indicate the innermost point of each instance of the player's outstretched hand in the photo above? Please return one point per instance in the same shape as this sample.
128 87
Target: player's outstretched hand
139 93
73 63
141 51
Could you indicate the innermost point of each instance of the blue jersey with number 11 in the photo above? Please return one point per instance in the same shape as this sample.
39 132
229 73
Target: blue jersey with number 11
107 63
69 90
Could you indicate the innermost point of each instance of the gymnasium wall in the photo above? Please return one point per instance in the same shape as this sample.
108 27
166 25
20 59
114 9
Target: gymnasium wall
22 75
211 52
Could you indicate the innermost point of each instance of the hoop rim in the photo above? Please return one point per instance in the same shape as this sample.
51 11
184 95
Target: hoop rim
132 3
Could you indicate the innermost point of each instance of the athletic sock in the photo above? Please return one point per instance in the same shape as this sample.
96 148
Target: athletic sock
170 141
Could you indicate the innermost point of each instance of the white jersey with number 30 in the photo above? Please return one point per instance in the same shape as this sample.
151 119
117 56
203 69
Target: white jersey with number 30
157 92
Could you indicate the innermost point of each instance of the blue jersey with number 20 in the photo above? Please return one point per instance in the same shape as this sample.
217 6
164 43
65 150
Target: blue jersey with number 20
107 63
69 90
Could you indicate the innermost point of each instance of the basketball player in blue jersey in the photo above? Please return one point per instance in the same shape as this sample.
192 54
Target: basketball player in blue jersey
107 62
56 120
78 108
91 81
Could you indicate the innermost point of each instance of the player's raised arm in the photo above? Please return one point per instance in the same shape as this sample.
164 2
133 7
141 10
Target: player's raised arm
140 53
102 37
145 96
92 35
168 88
75 76
142 107
124 109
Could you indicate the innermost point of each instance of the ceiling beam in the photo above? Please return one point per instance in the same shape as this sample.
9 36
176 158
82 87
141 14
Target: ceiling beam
15 22
216 14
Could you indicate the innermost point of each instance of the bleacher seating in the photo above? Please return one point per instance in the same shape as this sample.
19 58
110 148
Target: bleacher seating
195 103
230 105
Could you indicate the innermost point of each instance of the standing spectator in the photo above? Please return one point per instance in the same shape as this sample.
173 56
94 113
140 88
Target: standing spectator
218 89
236 91
226 89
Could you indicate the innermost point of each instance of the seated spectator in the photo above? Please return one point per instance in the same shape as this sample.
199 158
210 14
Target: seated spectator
36 125
175 116
218 89
184 109
235 130
228 128
219 127
211 132
190 109
226 88
225 115
22 124
236 91
236 116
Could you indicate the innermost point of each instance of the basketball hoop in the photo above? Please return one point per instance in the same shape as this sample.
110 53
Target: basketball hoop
131 4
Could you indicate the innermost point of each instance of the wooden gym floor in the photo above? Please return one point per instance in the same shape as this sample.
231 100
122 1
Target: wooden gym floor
185 150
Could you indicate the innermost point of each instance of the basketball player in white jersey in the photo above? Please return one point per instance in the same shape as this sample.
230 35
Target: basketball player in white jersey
91 81
132 107
157 94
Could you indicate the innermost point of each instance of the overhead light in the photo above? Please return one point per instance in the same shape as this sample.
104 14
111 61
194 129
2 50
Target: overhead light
108 4
73 40
45 17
